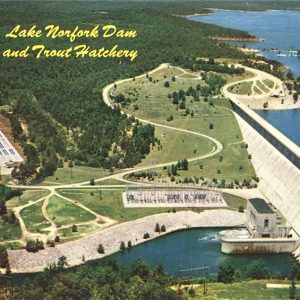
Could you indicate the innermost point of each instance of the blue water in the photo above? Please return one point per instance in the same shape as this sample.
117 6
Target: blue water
184 251
279 29
287 121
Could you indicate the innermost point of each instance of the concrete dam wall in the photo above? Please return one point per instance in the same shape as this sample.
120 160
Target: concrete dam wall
278 172
253 246
285 146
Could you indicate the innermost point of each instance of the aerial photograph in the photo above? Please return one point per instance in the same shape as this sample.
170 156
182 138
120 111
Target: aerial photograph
150 150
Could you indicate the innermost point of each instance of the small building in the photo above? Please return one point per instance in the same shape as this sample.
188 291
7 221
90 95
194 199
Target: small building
9 156
261 219
268 232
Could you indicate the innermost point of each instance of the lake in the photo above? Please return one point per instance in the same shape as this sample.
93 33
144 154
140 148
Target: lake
280 30
287 121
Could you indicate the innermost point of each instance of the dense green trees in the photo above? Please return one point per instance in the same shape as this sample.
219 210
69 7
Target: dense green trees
183 164
295 272
34 246
3 257
225 273
59 100
7 215
3 208
106 281
100 249
255 270
7 192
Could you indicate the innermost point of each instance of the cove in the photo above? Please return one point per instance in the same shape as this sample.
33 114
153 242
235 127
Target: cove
278 29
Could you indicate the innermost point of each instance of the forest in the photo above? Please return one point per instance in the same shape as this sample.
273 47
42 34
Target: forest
110 280
56 107
107 280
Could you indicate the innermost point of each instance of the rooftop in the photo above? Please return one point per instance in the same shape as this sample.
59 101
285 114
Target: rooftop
261 206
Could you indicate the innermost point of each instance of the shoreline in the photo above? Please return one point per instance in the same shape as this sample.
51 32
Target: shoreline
251 39
253 11
197 14
22 261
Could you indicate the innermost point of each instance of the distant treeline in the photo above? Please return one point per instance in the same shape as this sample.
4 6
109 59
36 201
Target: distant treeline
209 66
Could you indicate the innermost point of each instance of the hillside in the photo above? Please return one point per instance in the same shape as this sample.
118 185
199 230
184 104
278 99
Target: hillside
59 100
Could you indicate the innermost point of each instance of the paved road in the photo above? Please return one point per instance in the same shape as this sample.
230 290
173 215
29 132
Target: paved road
217 147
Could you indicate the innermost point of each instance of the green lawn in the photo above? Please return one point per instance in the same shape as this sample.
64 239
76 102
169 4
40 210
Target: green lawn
187 76
269 83
234 201
257 91
111 181
34 219
247 290
154 104
9 231
225 127
109 204
67 235
13 245
176 145
262 86
152 97
234 165
79 174
243 88
64 212
26 197
233 78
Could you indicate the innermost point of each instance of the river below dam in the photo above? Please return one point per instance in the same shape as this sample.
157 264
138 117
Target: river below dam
190 252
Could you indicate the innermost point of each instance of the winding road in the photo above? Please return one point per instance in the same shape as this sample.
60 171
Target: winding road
53 228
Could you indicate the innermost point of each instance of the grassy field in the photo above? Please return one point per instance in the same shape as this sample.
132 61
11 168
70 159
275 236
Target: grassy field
64 212
34 219
243 88
109 203
9 231
154 104
257 91
269 83
247 290
152 97
79 174
234 165
67 235
26 197
111 181
262 86
233 78
234 202
176 145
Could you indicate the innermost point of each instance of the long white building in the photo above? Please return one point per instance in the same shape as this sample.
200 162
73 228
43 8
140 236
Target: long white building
8 154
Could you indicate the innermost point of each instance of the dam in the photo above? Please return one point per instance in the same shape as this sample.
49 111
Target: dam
276 161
